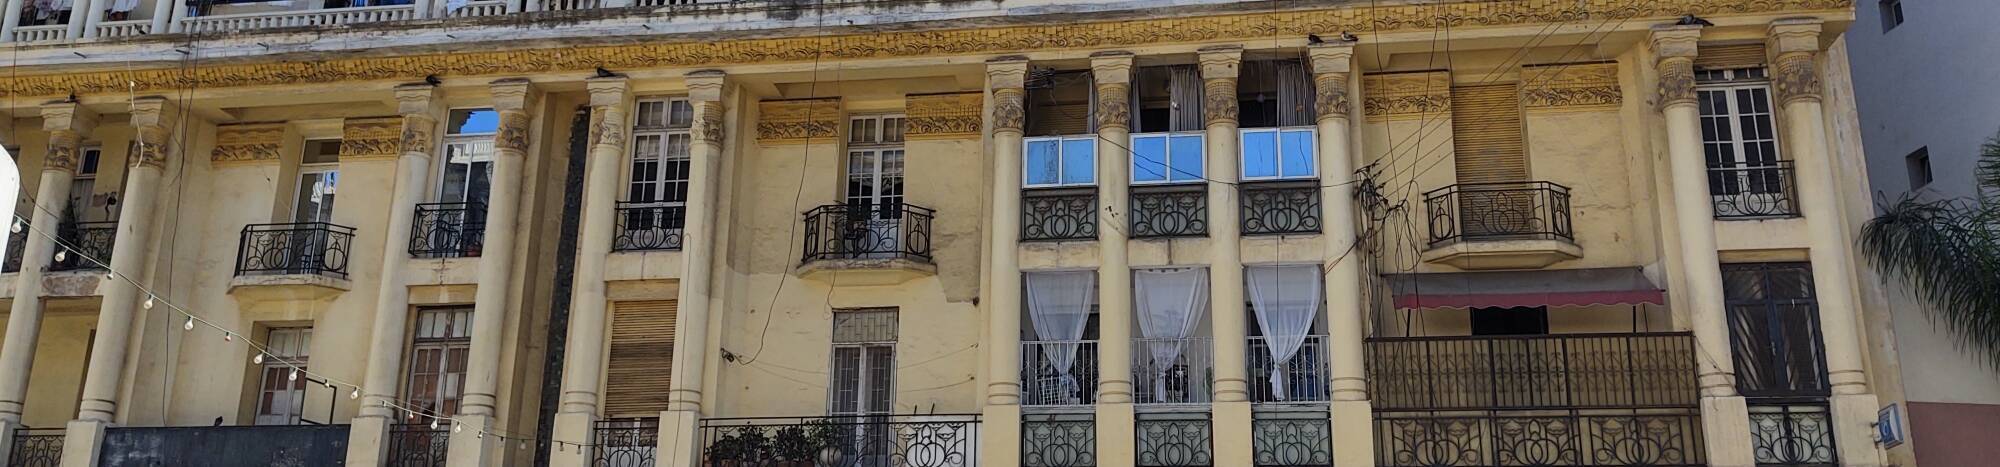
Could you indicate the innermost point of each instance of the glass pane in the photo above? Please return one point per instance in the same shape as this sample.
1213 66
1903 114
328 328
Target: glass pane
454 180
881 367
473 121
1750 332
682 115
846 379
892 130
1041 163
1186 155
1149 158
1260 154
1079 161
1298 154
646 147
652 114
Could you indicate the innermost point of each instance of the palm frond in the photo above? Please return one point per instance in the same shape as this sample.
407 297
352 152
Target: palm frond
1947 251
1988 173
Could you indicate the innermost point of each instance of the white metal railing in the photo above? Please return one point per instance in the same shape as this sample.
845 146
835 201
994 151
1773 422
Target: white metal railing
1043 384
481 8
565 5
1301 378
287 19
48 32
1187 379
135 27
657 3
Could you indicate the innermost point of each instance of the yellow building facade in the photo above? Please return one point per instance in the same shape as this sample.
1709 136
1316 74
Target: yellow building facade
1504 232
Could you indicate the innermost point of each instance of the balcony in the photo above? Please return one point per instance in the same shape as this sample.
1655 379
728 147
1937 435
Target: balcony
899 440
36 447
1173 370
1165 211
873 244
649 227
1059 373
1281 208
1059 214
1512 225
89 245
1300 378
309 254
1753 192
418 445
299 18
626 442
1792 435
448 230
289 445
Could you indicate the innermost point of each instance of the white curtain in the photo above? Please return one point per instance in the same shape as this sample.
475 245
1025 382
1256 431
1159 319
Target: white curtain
1286 299
124 5
1059 307
1170 303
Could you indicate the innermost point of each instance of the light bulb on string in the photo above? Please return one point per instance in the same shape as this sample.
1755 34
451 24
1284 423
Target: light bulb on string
228 336
259 359
413 415
189 325
110 276
294 376
434 424
457 427
524 444
149 302
482 435
354 395
62 255
17 226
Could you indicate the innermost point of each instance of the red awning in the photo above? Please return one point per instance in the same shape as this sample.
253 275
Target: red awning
1554 288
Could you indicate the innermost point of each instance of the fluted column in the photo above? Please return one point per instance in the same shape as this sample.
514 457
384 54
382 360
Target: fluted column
1795 75
511 100
1001 446
681 421
1112 72
1725 417
1332 70
609 99
367 443
67 124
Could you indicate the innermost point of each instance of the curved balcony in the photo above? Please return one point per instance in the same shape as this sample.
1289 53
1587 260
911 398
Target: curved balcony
448 230
875 244
1507 225
305 260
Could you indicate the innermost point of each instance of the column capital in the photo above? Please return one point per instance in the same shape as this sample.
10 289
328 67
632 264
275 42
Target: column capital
1331 57
154 111
1793 44
705 85
417 99
1111 67
68 123
1009 72
1219 69
1220 61
1332 63
1675 41
512 94
1006 76
1112 73
1675 48
153 120
1794 35
609 91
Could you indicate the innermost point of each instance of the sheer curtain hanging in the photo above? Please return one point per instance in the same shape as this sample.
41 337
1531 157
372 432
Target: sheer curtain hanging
1295 94
1170 303
1059 307
1286 299
1184 82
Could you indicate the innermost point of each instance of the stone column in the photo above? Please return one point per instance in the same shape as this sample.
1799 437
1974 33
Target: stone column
1795 75
82 13
367 442
511 99
609 98
684 401
1112 72
67 123
1231 406
1001 445
13 18
1353 421
163 14
1725 417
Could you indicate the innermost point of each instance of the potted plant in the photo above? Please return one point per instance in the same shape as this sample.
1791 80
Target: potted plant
826 436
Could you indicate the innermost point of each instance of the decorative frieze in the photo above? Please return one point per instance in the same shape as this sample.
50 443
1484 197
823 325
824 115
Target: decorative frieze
798 120
1571 86
248 143
371 138
939 116
1396 96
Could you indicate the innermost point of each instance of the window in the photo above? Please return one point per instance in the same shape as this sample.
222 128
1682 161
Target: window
1774 329
1274 93
1510 321
319 172
1166 158
83 188
280 397
1060 103
1059 161
438 350
875 163
864 358
660 138
1487 136
1737 131
1892 14
1918 164
468 156
1278 153
1167 125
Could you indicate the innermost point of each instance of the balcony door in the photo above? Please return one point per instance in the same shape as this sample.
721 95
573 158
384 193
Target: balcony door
864 377
657 190
1738 136
874 185
319 174
85 204
1491 160
436 372
281 396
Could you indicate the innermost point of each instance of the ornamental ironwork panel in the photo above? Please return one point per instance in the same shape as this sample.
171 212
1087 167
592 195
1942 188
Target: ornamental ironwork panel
418 445
1275 208
1571 438
225 446
1498 211
1797 435
868 231
88 243
644 226
16 243
1169 211
1059 214
448 230
1043 382
1058 440
36 448
1753 191
842 441
1539 371
1299 438
299 248
1174 439
626 442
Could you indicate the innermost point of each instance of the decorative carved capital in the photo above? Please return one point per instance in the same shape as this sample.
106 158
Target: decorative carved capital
1111 67
68 116
705 85
948 115
1006 72
1676 81
1010 113
1796 76
798 120
1395 96
413 99
1114 106
1221 61
1571 85
608 91
1331 57
416 134
1218 101
248 143
62 151
1330 96
149 148
153 111
607 126
708 122
371 138
513 133
512 94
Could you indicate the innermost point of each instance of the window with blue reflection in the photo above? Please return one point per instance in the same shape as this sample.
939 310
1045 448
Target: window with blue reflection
1185 154
1260 154
1277 154
473 121
1079 161
1043 163
1048 162
1296 149
1149 158
1161 158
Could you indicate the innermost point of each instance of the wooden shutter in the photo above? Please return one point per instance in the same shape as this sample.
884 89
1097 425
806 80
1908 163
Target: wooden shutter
1486 133
1720 57
642 358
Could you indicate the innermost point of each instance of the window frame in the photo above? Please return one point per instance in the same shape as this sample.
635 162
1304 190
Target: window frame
1892 14
444 345
1061 159
465 140
865 349
282 363
1201 157
877 146
89 161
1278 145
1918 166
332 172
664 186
1770 306
1729 83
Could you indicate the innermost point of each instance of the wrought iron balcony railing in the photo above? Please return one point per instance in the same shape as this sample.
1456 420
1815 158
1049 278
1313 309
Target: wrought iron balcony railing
1059 214
1043 382
1639 370
1562 437
1291 438
1058 439
1299 378
649 226
448 230
1498 211
1174 439
286 445
626 442
866 231
898 440
1747 191
1169 211
418 445
300 248
1276 208
37 447
1173 371
1792 435
89 245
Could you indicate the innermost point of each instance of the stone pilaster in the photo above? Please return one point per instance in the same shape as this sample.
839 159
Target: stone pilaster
512 100
610 98
680 424
1112 72
1001 446
67 124
1332 71
1229 320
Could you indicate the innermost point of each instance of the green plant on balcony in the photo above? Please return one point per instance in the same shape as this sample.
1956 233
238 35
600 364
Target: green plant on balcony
1949 251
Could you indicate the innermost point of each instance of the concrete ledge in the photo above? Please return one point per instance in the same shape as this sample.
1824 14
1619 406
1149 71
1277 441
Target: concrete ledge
60 284
1503 254
865 271
268 287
